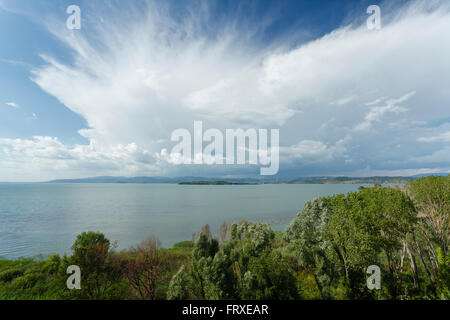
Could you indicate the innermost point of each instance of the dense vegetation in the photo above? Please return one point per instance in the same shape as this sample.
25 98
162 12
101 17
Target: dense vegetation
323 254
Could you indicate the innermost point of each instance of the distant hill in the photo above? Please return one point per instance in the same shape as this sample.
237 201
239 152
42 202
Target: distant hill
351 180
431 174
214 183
260 180
144 180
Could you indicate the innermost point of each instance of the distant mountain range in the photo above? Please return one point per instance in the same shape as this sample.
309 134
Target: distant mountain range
260 180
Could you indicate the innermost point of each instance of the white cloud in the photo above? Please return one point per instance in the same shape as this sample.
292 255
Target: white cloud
376 113
12 104
396 173
314 151
376 101
42 158
343 101
139 75
440 156
443 137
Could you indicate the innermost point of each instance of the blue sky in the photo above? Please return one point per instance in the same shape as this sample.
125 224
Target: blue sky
103 100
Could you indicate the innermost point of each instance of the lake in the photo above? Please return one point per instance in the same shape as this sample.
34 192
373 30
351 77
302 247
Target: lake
40 218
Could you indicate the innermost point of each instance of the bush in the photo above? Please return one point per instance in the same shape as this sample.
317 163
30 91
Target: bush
11 274
268 278
147 270
183 245
101 270
178 287
51 266
27 281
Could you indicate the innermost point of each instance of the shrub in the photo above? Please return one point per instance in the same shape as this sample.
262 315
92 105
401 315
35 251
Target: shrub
101 270
27 281
147 270
51 266
178 287
268 278
11 274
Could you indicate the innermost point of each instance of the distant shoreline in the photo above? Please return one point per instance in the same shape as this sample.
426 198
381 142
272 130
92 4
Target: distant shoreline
216 183
189 180
242 181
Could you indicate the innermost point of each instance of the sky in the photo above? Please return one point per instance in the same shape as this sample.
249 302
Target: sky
105 98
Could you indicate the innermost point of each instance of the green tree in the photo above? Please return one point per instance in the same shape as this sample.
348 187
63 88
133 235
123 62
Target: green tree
365 227
268 278
242 268
209 272
258 235
101 272
260 271
179 285
443 285
306 238
432 197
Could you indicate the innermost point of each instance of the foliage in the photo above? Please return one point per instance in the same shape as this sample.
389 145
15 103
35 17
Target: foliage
147 270
444 276
242 268
306 237
101 271
268 278
323 254
10 274
178 287
335 239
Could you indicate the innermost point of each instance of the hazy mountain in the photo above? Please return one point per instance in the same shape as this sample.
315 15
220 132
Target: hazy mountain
262 180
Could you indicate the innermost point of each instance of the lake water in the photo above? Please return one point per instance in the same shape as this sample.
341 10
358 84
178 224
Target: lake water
45 218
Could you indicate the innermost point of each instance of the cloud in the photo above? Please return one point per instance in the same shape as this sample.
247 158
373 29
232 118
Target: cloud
12 104
343 101
42 157
376 113
443 137
439 157
139 73
376 101
397 173
312 151
17 63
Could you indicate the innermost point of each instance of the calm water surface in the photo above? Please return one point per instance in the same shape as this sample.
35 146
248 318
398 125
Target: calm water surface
45 218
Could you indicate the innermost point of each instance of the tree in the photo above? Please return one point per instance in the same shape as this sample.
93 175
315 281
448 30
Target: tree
100 271
260 271
306 238
146 269
443 285
210 271
223 232
243 267
179 286
258 235
432 196
268 278
396 219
